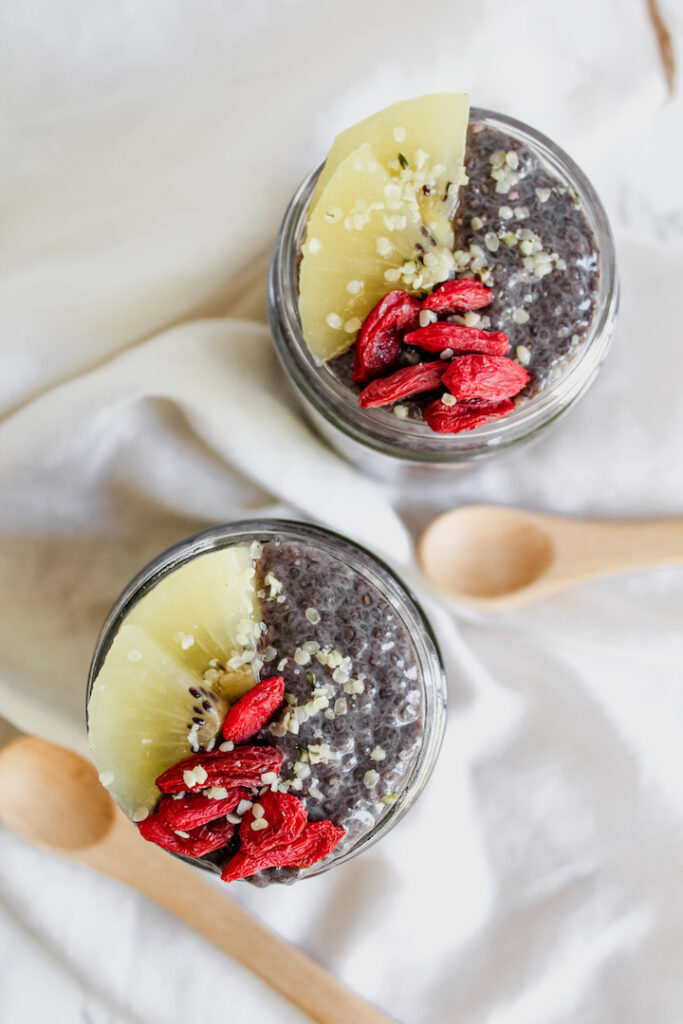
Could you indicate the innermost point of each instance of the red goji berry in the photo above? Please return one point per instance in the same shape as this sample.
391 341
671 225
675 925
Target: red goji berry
211 837
440 336
413 380
452 419
195 809
318 840
389 300
378 341
242 766
489 377
458 296
198 841
286 817
254 709
241 865
155 830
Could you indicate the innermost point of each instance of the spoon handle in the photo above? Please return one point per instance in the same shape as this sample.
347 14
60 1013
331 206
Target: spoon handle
183 891
599 548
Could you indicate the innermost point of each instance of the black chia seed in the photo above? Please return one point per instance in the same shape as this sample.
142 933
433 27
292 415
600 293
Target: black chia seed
357 621
560 304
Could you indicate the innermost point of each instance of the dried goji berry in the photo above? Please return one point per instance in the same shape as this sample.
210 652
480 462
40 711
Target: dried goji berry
440 336
452 419
378 341
254 709
195 809
286 818
489 377
241 865
197 843
242 766
458 296
413 380
386 303
155 830
211 837
318 840
406 315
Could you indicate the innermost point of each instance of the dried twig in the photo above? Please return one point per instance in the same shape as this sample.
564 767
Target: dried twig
665 43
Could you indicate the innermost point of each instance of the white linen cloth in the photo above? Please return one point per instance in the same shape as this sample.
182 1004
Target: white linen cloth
149 151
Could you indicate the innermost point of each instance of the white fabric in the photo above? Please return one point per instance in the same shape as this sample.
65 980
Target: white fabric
148 154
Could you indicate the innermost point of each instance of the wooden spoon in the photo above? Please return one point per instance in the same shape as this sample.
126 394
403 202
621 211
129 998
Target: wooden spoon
53 798
492 558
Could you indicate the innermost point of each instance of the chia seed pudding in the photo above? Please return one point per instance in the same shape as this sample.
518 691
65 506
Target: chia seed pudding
524 235
346 648
529 227
362 716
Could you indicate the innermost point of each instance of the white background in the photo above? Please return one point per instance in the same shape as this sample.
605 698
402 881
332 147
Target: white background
148 152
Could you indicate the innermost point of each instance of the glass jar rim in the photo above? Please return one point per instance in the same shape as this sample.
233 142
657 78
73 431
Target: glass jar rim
331 399
373 569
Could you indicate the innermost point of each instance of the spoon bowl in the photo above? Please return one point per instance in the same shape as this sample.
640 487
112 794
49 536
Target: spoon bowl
490 552
491 558
38 794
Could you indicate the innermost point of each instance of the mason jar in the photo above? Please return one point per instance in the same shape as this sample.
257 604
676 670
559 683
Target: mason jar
396 448
363 573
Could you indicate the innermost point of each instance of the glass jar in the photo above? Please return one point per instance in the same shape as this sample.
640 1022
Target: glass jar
373 572
397 449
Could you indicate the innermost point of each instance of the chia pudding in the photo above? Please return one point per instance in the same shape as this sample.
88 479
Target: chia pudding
524 235
348 649
529 228
362 715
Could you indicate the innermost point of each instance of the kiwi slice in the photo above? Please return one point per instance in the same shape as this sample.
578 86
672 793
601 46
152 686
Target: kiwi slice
434 125
172 670
381 216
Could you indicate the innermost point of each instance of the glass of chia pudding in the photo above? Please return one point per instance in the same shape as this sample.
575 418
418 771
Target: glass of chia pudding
266 700
531 233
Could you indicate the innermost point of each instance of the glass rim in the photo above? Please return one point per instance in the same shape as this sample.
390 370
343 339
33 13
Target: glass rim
374 428
377 572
